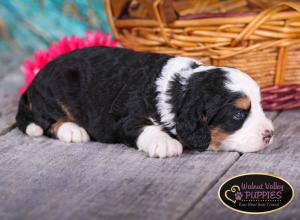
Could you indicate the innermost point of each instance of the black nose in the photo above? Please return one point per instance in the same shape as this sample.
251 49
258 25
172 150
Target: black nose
267 136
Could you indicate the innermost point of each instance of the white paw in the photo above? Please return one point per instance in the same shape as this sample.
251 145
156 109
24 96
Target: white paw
34 130
71 132
157 143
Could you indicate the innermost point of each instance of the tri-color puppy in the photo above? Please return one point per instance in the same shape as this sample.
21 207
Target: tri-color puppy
157 103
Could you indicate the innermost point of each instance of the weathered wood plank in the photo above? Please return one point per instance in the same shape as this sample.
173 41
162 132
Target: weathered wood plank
9 86
43 178
11 77
9 97
11 80
7 114
46 179
10 62
282 159
272 114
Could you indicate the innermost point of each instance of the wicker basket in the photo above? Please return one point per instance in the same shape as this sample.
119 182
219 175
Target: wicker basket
262 39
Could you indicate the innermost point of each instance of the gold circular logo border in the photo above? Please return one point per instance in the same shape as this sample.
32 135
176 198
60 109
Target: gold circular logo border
258 213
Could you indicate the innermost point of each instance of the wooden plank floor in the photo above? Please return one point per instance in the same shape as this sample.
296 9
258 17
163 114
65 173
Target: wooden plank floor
43 178
281 159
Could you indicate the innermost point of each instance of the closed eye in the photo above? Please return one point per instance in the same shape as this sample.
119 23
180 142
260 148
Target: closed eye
240 115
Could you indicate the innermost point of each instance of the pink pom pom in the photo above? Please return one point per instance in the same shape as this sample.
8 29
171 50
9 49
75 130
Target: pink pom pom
31 68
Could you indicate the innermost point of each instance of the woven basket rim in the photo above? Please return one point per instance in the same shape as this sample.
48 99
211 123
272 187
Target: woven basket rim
198 37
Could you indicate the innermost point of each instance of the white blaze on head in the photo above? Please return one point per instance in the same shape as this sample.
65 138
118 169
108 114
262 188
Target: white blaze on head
249 138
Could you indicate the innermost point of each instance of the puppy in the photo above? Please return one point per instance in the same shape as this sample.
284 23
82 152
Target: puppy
157 103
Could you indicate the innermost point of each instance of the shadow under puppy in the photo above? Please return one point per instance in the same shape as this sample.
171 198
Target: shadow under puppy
157 103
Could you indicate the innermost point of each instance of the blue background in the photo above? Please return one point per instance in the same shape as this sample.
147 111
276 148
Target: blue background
33 24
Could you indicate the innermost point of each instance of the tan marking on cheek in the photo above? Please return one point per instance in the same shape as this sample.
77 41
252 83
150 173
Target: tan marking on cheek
217 136
242 103
55 126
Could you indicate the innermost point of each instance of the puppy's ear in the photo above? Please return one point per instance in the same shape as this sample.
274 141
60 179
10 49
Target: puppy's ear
192 126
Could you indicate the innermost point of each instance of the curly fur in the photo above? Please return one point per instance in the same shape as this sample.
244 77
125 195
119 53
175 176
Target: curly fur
116 94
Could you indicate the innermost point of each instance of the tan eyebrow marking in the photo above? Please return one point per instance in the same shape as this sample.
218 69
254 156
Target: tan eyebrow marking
242 103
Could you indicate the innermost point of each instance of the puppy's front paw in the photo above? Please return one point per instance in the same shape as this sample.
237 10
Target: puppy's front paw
71 132
157 143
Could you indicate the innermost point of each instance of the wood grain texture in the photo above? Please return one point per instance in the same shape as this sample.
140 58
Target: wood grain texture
10 62
7 114
281 159
10 81
43 178
47 179
272 114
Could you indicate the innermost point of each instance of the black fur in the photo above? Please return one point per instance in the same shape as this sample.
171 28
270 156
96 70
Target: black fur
204 104
112 94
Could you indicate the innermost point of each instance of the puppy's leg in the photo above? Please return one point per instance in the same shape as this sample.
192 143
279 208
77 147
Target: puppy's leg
45 115
157 143
37 112
69 132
